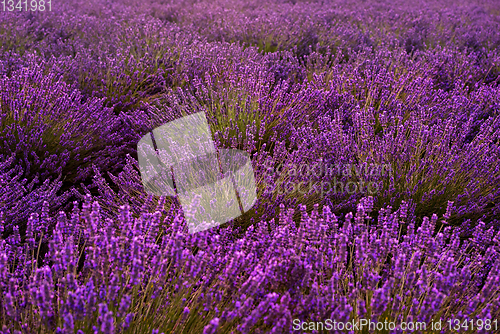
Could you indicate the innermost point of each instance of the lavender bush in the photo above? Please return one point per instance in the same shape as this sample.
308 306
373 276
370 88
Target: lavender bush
50 133
409 85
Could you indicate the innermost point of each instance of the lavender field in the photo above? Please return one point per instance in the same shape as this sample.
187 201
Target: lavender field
373 129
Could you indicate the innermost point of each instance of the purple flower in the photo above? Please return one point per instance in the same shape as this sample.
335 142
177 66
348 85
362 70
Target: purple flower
211 328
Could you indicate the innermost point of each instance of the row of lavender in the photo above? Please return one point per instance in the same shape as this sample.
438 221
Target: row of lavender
288 83
139 275
439 145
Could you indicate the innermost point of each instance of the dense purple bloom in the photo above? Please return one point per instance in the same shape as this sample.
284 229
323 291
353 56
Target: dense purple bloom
211 328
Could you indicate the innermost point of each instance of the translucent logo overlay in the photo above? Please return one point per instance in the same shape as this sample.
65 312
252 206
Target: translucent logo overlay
179 159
